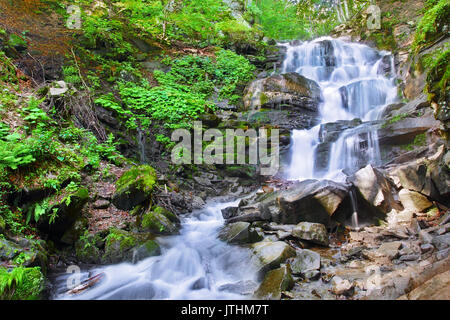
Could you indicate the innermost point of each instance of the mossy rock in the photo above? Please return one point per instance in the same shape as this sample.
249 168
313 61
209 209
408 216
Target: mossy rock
275 282
68 210
24 252
134 187
160 221
124 246
239 233
88 248
28 286
75 231
2 225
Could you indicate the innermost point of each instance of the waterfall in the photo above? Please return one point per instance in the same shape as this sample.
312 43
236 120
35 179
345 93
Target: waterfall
193 265
354 85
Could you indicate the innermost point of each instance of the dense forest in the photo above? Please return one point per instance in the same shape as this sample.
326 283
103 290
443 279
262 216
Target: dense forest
91 93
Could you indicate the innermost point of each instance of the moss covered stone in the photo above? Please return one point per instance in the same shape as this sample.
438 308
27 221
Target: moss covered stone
275 282
88 248
134 187
124 246
160 221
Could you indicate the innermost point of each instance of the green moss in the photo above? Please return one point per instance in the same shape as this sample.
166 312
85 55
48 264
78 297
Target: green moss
125 240
432 24
419 141
394 119
142 178
2 224
160 220
21 283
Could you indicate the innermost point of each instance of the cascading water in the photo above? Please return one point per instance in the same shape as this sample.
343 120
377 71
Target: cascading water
354 84
193 265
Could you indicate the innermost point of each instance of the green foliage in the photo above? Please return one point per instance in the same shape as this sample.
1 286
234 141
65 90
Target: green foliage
21 283
395 119
232 71
432 24
438 65
279 19
419 141
175 107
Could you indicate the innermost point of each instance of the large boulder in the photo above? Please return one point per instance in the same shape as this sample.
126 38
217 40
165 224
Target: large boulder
287 90
134 187
414 201
274 283
314 232
375 189
312 201
270 255
429 176
239 233
309 200
305 260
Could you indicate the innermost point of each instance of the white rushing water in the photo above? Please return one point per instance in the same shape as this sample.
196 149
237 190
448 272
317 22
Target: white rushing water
352 87
192 265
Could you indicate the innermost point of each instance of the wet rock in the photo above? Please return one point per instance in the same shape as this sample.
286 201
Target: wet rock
239 233
269 255
305 260
134 187
274 283
314 232
290 89
328 134
414 201
243 287
197 202
8 250
230 212
342 286
160 221
375 189
311 201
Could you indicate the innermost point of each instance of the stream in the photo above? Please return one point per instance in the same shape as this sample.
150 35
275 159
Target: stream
195 264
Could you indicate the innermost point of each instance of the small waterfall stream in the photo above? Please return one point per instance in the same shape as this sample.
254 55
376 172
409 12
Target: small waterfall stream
354 85
193 265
